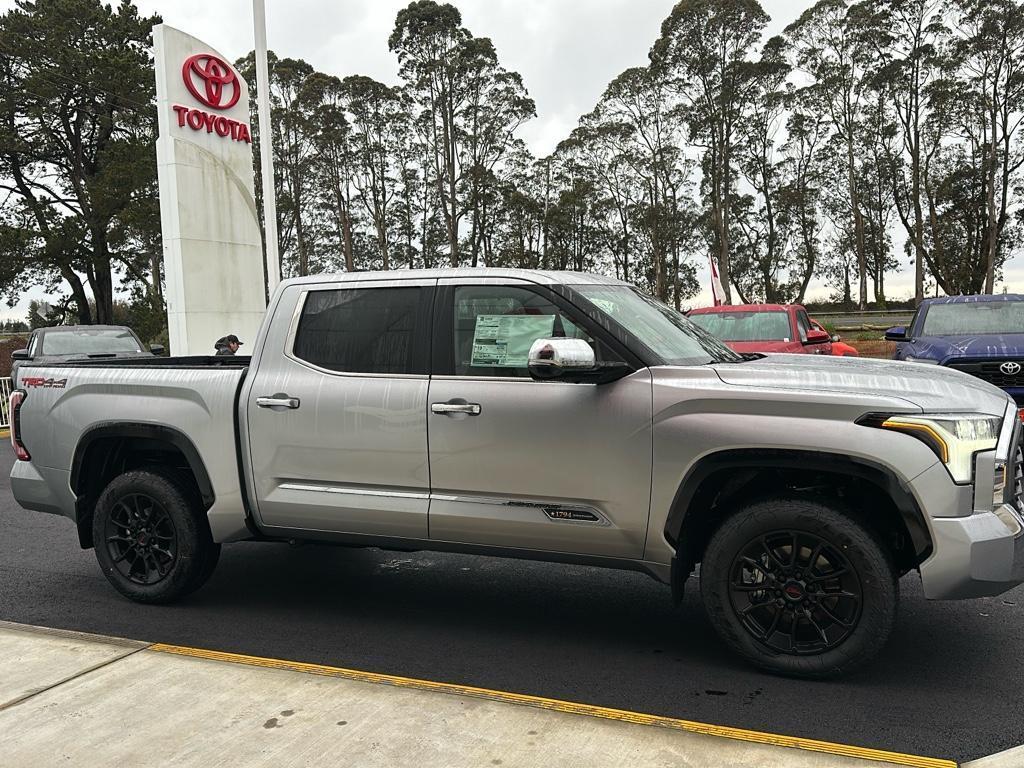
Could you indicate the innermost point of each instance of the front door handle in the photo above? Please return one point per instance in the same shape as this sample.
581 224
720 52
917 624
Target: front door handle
277 401
448 409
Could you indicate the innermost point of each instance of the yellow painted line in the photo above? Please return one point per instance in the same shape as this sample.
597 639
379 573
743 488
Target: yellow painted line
690 726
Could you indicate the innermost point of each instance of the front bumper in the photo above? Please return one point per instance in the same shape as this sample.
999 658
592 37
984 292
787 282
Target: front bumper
973 556
977 549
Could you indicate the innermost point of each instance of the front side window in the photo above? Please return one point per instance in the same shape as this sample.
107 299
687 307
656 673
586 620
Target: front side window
803 324
745 326
495 326
362 330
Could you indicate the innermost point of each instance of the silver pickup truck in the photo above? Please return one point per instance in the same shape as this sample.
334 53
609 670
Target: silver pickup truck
552 416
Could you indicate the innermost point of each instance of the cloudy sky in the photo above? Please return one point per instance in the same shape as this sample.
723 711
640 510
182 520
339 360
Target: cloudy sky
566 50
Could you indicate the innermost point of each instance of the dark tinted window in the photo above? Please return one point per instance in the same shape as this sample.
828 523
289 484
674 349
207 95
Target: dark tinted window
362 330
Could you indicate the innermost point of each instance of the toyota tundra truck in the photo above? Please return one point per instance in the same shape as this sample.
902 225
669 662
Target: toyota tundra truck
550 416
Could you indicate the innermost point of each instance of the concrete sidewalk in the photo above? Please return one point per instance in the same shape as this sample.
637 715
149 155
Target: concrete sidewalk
73 699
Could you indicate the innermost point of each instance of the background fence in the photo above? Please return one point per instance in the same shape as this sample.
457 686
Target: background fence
5 402
864 321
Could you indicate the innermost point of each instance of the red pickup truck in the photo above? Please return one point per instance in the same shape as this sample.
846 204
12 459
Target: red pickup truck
764 328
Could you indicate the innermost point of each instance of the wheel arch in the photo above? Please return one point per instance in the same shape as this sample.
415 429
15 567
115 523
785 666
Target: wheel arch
109 449
726 478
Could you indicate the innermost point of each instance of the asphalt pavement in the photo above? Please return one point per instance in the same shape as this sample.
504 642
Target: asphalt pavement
948 685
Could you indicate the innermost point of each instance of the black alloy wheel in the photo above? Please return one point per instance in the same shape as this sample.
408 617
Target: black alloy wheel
795 592
803 586
141 538
151 535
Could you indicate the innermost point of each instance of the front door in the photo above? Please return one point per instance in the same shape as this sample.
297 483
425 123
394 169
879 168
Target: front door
525 464
337 412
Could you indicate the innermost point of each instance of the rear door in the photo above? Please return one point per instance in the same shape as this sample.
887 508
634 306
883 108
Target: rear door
337 410
525 464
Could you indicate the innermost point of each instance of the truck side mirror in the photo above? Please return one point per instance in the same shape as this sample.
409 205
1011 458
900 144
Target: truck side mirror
817 337
156 349
558 358
899 333
20 354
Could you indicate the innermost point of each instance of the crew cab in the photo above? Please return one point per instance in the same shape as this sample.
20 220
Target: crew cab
543 415
980 335
749 328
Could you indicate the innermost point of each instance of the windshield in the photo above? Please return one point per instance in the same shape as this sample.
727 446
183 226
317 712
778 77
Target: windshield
88 341
745 326
660 328
977 318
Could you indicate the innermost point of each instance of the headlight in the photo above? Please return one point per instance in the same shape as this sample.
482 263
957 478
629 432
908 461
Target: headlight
955 437
924 360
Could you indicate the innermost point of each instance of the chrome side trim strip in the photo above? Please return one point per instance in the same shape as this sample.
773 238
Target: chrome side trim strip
550 509
352 491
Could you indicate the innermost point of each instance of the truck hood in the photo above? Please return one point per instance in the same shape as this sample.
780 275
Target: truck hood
942 348
931 388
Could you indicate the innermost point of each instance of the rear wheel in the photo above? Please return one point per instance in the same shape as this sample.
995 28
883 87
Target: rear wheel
150 539
799 588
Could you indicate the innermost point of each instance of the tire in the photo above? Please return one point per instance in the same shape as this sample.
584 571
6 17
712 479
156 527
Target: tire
151 539
799 618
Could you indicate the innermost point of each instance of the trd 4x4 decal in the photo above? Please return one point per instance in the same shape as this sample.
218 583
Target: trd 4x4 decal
39 381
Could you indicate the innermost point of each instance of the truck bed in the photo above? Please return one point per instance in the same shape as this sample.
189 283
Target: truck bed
72 404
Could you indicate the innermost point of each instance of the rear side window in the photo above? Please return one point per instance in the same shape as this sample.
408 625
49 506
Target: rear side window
364 330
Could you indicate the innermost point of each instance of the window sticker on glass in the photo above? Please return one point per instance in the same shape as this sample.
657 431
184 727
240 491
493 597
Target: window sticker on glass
503 341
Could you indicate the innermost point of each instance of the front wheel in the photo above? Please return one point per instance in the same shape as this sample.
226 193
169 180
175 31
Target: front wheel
150 539
798 588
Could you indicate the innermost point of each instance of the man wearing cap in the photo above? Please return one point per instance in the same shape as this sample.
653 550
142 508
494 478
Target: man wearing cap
227 345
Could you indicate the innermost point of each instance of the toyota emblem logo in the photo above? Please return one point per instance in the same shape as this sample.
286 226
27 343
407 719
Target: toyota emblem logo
211 80
1010 368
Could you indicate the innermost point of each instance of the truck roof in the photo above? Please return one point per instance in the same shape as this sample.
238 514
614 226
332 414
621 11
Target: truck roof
546 277
745 308
976 299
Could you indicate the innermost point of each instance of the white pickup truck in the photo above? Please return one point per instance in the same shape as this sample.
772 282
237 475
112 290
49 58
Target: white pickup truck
552 416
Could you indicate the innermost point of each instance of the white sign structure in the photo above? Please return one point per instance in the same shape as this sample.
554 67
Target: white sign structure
213 256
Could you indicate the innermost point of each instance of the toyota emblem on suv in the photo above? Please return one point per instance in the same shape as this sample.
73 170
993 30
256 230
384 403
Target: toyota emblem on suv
1010 368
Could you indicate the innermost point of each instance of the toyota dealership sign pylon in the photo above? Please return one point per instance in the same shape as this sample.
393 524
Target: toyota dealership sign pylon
213 254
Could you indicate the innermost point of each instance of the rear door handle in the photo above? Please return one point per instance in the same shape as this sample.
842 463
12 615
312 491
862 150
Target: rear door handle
277 401
471 409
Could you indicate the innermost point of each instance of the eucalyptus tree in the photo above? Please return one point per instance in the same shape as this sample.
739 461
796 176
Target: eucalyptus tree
703 50
377 118
496 105
334 164
766 229
988 55
907 37
829 51
428 39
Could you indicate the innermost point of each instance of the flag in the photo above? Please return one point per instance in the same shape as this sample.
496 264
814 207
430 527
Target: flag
717 292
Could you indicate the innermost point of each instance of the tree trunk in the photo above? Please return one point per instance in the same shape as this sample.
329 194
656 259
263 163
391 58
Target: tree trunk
78 293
